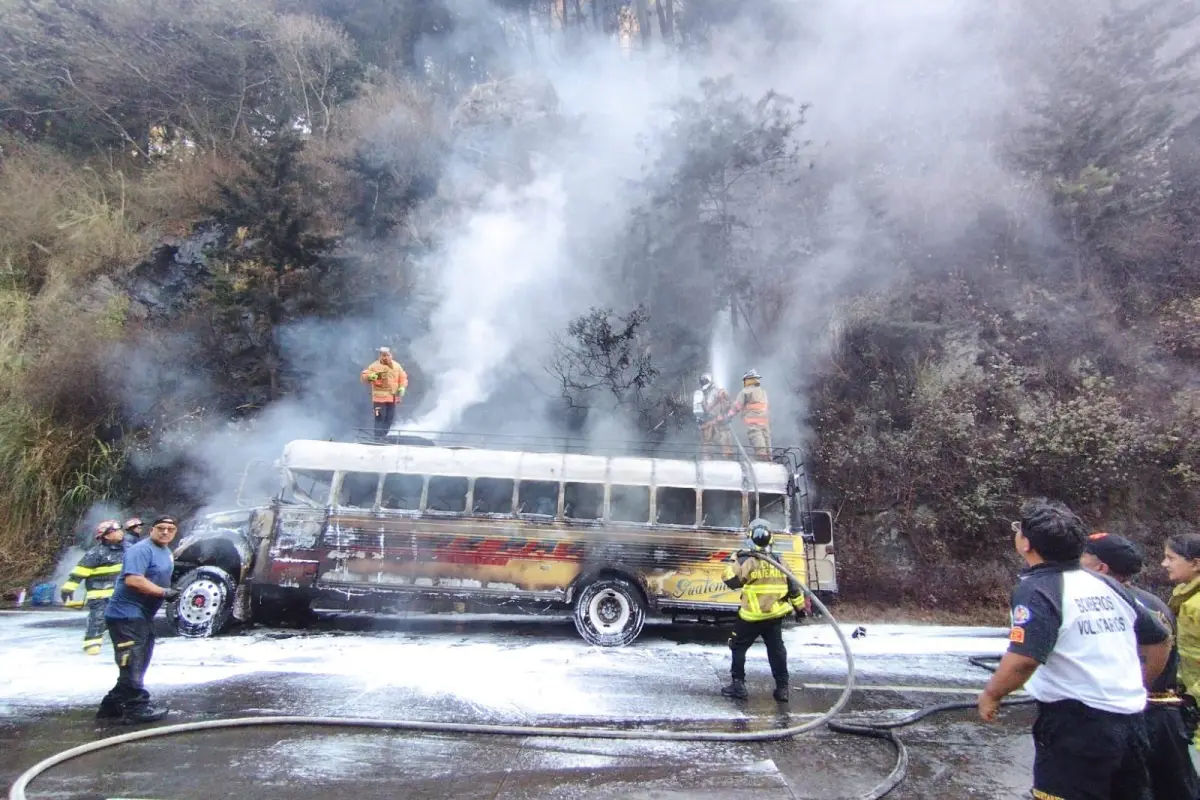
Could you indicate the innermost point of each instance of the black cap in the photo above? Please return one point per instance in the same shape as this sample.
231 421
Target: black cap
1121 555
169 519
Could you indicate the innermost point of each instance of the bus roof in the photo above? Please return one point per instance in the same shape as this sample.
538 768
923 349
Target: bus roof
306 454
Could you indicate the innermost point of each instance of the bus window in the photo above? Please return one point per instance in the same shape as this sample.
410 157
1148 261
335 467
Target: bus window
772 508
358 489
583 501
676 506
310 486
630 504
402 492
721 509
447 494
493 496
538 497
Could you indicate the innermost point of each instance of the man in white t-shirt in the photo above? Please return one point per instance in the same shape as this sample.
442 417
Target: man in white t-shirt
1086 651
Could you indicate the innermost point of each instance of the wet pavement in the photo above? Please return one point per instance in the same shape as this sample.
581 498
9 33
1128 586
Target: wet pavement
500 670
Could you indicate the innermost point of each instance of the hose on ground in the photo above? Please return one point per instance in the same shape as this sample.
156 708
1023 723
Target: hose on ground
881 730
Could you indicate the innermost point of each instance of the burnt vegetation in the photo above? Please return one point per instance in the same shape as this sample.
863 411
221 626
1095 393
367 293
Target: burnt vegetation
183 184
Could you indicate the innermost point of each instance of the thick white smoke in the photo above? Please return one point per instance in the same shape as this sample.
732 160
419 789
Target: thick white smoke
500 268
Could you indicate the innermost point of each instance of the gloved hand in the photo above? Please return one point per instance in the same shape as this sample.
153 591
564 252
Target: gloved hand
171 595
743 554
401 391
66 596
372 376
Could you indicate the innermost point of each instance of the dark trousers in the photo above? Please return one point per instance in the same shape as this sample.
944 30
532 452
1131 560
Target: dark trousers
1172 776
133 646
95 626
384 414
1081 753
747 633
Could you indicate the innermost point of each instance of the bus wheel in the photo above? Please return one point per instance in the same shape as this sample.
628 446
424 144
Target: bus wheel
610 612
205 603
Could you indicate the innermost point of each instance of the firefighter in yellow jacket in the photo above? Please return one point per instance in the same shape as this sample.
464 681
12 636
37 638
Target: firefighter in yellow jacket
768 595
389 383
751 403
97 571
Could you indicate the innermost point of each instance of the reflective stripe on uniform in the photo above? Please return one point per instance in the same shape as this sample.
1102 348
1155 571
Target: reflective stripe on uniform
756 422
69 586
108 569
82 572
99 594
123 645
93 642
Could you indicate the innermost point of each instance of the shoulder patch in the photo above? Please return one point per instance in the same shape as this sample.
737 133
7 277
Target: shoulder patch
1017 635
1021 615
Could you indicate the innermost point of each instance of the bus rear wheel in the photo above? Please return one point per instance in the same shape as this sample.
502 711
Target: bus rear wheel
610 612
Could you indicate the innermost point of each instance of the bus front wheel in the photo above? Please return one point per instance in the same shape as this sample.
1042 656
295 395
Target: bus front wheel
610 612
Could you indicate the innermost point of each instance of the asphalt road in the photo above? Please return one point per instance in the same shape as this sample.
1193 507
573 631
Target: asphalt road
525 671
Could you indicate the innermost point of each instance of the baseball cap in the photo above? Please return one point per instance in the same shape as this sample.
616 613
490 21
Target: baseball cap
1121 555
169 519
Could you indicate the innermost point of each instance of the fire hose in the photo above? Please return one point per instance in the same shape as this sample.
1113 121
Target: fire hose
876 730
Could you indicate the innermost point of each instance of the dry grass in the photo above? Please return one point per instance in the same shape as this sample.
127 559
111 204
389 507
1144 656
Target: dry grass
61 224
53 472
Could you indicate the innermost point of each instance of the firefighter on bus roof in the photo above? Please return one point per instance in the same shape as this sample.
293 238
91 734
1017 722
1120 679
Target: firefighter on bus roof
751 403
715 436
768 595
389 383
97 571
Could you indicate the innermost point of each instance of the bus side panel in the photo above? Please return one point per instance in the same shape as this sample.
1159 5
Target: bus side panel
293 554
491 556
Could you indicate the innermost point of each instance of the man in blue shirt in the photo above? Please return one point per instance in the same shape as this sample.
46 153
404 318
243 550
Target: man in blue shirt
142 586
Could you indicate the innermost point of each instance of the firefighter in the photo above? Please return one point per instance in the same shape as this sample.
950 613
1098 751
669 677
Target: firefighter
1181 560
715 436
97 570
133 531
768 595
389 383
751 403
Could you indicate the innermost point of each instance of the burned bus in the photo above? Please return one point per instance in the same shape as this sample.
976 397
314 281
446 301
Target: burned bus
382 527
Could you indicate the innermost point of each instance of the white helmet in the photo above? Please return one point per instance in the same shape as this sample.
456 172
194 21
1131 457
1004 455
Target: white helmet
705 381
752 375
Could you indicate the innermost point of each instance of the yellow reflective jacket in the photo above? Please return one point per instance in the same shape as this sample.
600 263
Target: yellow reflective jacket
386 381
767 593
97 571
1185 602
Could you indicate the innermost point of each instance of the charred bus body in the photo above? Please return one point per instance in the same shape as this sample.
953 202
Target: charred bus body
381 527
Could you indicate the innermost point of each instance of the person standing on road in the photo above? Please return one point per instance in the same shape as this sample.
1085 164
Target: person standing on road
1181 560
768 595
142 586
1086 650
97 571
1172 776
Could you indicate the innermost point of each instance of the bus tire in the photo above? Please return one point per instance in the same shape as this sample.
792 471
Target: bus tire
610 612
205 603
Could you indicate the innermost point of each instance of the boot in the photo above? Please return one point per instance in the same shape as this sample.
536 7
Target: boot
109 710
144 714
736 689
781 692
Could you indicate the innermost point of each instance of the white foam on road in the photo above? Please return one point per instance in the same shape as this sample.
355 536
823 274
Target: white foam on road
503 673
